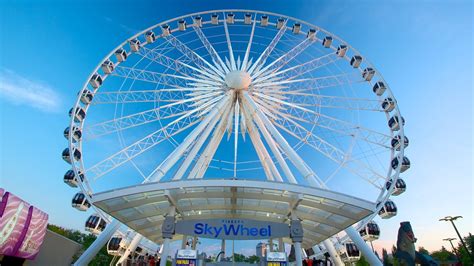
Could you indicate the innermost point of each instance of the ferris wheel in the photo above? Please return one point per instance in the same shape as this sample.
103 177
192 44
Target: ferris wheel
237 95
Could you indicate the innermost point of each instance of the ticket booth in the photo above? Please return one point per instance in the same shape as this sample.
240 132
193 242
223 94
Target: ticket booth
276 259
186 257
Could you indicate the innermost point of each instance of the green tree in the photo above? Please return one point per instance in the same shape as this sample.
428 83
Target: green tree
443 255
362 262
423 250
464 256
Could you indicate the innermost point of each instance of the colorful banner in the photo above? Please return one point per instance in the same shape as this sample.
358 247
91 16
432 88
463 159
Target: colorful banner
22 227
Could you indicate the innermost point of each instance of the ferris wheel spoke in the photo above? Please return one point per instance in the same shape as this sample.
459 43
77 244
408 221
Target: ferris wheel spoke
175 64
217 60
202 164
177 153
284 59
305 99
297 161
128 153
148 76
193 56
273 147
309 84
245 62
266 53
300 69
229 45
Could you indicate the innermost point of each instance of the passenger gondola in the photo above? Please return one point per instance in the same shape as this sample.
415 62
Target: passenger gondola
150 36
248 18
76 133
388 210
67 155
379 88
230 18
96 81
80 202
370 232
405 164
79 114
394 124
71 179
214 19
115 246
87 96
400 186
356 60
296 28
388 104
134 45
121 55
350 253
280 23
311 34
107 66
198 21
327 41
95 224
341 50
368 73
166 30
396 143
182 25
264 20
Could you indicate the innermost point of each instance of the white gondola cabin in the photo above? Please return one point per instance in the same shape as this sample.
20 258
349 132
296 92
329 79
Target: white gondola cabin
182 25
67 155
379 88
214 19
311 34
71 179
76 133
280 23
80 202
116 246
388 210
394 123
397 143
368 73
350 253
264 20
198 21
87 96
356 60
78 113
400 186
108 66
327 41
150 36
341 50
370 232
405 164
296 28
121 55
248 18
230 18
166 30
96 81
388 104
95 224
134 45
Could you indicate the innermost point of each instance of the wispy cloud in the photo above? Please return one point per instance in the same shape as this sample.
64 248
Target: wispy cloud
20 90
122 26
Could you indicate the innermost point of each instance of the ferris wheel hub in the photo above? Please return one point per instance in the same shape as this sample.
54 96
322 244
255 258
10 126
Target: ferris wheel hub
238 80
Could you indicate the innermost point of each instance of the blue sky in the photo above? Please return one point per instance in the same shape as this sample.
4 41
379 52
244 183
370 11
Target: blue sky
423 49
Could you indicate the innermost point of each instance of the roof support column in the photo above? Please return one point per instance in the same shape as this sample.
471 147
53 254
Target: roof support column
222 255
296 234
363 247
333 252
167 230
281 245
184 243
195 240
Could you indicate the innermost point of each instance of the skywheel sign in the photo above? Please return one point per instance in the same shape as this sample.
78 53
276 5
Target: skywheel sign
232 229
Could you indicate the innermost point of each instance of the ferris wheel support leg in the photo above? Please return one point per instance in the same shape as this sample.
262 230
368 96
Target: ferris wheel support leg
101 240
298 257
131 248
332 251
363 247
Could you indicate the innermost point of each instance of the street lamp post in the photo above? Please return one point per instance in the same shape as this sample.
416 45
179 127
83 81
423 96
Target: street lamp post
454 249
452 219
